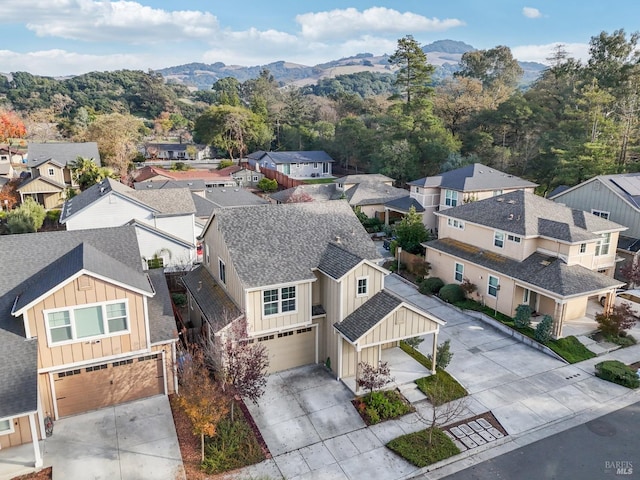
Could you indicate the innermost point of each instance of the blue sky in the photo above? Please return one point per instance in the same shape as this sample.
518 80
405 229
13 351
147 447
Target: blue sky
62 37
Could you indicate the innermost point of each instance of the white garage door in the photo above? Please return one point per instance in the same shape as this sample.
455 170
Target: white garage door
290 349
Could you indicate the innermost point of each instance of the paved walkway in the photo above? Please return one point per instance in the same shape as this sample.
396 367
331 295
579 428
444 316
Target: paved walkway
530 393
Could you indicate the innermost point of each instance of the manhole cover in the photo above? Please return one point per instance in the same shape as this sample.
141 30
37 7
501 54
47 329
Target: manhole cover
602 428
474 350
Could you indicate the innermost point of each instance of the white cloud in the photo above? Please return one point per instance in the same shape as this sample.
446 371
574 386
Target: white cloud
376 20
540 53
531 12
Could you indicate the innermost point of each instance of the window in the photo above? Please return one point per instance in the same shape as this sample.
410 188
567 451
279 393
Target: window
459 272
455 223
363 287
6 426
222 271
315 165
601 214
493 286
279 300
450 198
497 192
255 178
602 248
514 238
498 239
51 172
525 296
583 248
155 262
87 322
206 254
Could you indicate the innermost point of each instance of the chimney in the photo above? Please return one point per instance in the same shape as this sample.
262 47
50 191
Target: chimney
338 239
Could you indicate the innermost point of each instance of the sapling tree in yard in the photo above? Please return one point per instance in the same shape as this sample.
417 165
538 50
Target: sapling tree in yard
442 411
615 322
443 355
374 378
414 342
523 316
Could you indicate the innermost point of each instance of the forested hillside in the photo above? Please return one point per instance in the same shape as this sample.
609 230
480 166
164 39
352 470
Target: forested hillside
577 120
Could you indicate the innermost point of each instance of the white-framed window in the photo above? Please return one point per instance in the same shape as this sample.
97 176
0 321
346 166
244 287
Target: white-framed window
156 262
6 426
315 165
497 192
498 239
51 172
455 223
514 238
601 214
525 296
279 300
87 322
493 285
206 254
255 178
583 248
602 248
363 287
222 271
450 198
458 273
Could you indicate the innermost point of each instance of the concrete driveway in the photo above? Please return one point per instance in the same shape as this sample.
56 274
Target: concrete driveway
131 441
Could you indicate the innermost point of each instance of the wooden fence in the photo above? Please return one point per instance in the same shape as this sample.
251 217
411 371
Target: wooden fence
414 263
283 180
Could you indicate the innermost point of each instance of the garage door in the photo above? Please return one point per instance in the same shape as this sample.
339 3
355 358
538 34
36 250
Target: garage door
98 386
290 349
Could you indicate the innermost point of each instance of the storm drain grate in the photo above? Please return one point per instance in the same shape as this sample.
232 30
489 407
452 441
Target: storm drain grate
475 350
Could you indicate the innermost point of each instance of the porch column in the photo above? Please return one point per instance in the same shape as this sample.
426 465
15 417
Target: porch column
357 366
609 302
34 439
558 318
386 217
434 350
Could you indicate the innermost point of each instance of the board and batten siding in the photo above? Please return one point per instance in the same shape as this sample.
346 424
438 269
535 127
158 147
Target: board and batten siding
151 243
260 323
349 284
109 211
402 323
20 435
58 173
597 196
351 358
181 226
330 299
71 295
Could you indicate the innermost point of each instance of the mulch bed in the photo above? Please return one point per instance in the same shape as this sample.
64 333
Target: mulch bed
44 474
635 366
488 416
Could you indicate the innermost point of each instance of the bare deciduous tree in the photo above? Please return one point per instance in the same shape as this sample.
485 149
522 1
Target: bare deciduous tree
372 378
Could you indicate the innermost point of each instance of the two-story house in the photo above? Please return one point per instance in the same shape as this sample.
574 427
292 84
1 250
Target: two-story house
466 184
50 173
164 219
175 152
305 277
211 178
519 248
82 327
298 165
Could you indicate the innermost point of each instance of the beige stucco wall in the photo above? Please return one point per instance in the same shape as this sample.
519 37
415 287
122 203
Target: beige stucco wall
576 308
81 351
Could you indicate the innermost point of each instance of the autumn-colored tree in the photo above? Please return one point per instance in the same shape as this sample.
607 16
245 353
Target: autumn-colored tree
200 397
9 196
373 378
11 128
619 319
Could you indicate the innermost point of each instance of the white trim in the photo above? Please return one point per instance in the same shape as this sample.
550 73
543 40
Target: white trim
279 285
164 372
27 329
94 361
366 286
600 213
382 342
72 324
279 302
73 278
41 418
222 266
117 194
455 272
285 328
12 427
147 327
316 339
52 388
495 235
174 363
489 276
34 439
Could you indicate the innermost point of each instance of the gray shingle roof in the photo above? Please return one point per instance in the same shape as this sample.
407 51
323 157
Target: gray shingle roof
363 178
204 207
321 192
211 298
63 153
23 258
162 323
233 197
293 157
176 201
337 262
369 193
271 244
368 315
193 185
404 204
548 273
527 214
474 178
57 186
626 185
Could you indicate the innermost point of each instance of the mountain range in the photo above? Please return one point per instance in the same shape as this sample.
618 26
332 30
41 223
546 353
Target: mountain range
445 55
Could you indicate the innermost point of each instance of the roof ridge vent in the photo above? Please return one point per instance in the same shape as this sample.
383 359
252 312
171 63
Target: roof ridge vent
499 199
511 202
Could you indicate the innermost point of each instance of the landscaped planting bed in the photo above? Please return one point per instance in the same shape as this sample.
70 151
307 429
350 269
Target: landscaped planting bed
376 407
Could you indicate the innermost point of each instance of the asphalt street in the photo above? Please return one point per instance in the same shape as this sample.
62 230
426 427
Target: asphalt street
604 448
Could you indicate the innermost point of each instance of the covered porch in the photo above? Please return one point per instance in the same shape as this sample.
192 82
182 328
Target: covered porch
395 210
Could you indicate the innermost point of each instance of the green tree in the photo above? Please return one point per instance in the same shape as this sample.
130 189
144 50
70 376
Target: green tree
27 218
227 91
411 232
267 185
86 173
493 67
414 73
117 136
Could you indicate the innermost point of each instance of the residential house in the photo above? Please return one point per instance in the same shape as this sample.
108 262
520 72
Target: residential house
176 152
299 165
9 158
519 248
305 278
82 327
245 177
164 219
211 178
463 185
50 173
196 187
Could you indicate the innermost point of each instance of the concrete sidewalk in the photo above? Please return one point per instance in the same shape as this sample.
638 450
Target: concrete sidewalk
530 393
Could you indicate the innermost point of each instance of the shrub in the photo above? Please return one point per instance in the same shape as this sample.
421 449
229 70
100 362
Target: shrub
543 330
468 287
414 342
431 285
614 323
523 316
374 378
415 447
383 405
570 349
617 372
443 355
267 185
179 299
451 293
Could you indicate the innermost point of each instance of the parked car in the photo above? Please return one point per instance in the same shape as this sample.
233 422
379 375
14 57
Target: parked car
629 297
387 243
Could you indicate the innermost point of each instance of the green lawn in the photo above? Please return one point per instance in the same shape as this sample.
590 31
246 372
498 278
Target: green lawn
319 180
415 448
448 388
